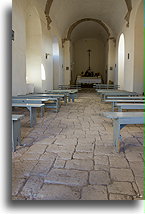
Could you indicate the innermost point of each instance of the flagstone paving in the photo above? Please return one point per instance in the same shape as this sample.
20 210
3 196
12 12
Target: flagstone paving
69 155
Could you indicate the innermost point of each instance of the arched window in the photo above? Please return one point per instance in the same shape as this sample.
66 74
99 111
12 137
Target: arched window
121 60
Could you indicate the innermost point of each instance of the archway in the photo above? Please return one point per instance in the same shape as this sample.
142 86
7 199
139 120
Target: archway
35 71
121 60
86 35
138 82
74 25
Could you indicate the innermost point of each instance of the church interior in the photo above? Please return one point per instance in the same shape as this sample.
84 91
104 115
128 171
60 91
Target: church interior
77 99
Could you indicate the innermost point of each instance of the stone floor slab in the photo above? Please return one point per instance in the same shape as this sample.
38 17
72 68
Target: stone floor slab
94 192
121 174
57 192
79 164
124 188
99 178
32 187
67 177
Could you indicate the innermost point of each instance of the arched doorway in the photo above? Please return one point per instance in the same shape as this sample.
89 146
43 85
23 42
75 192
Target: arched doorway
35 71
121 60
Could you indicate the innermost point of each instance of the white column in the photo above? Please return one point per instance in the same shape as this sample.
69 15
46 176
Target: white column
67 69
111 61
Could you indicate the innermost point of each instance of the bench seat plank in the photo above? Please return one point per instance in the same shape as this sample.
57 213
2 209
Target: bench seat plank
122 106
125 98
48 95
71 93
114 102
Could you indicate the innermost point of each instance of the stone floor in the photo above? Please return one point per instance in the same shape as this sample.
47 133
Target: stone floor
70 156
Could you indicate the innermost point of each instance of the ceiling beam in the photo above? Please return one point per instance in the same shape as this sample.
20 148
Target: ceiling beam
129 7
47 12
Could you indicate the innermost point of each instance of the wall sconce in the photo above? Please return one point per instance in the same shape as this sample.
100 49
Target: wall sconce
46 55
13 33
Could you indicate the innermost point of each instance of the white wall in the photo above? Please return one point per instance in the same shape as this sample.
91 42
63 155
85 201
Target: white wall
97 55
48 63
129 34
139 51
33 48
18 49
32 41
121 59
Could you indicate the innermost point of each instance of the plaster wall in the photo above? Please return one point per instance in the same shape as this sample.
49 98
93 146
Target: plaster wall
33 48
47 84
139 51
32 42
18 49
129 34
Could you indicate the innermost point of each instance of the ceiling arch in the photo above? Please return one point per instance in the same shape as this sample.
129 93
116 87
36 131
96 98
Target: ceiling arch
126 7
86 20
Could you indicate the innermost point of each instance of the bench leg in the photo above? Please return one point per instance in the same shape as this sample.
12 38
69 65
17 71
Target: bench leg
113 104
65 100
117 139
119 109
16 134
72 97
69 98
32 116
57 105
42 110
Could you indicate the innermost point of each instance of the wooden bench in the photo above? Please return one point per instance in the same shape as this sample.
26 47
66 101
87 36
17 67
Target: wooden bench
117 93
125 98
106 86
66 87
129 106
100 91
114 102
32 110
16 130
53 101
59 97
31 101
120 120
70 93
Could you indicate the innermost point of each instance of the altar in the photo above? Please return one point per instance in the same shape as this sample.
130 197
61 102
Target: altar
88 80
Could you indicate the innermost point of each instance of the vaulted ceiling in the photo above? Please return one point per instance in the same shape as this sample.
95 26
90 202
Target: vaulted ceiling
64 13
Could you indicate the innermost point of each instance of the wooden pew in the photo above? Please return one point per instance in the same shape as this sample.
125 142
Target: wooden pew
117 93
129 106
106 86
120 120
32 110
66 87
57 97
114 102
16 130
125 98
17 99
71 93
54 103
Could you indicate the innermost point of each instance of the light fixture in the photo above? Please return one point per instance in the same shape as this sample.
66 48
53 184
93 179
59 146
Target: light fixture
46 55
